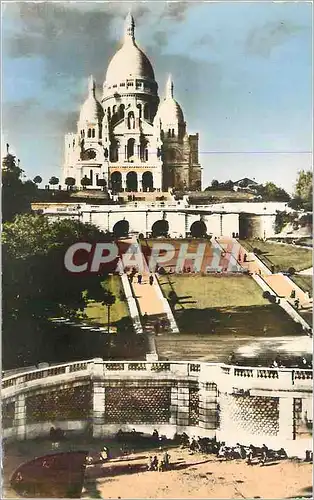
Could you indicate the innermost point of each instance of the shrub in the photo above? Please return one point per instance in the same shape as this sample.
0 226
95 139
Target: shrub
272 299
266 294
257 251
291 270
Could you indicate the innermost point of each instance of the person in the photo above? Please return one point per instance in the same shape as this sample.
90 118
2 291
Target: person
155 435
249 455
166 460
104 454
275 364
131 278
150 463
292 294
297 303
155 463
245 258
264 454
222 450
151 280
139 279
163 324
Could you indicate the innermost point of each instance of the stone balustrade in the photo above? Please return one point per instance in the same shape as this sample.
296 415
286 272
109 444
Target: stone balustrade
206 399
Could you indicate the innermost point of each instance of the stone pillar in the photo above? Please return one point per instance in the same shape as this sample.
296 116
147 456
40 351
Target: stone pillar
20 416
208 408
174 405
183 405
98 411
286 430
123 175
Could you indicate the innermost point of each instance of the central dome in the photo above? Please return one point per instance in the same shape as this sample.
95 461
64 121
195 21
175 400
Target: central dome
129 62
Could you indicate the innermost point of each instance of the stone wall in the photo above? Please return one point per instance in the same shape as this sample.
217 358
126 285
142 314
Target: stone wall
245 404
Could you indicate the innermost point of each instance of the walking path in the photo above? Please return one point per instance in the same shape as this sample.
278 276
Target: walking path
156 315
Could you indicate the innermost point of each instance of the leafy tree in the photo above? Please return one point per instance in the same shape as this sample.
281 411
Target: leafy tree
16 194
85 182
70 182
53 181
103 183
304 190
37 179
215 184
229 185
271 192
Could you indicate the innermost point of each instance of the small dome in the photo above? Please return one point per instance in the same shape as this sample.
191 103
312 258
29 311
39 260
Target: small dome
129 61
91 111
169 111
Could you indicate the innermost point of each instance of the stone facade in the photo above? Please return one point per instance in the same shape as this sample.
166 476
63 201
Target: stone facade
205 399
130 141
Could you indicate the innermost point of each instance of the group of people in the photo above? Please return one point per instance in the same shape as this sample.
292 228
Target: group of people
139 277
249 453
160 465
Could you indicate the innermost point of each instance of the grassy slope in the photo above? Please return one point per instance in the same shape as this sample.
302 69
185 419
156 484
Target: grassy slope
97 313
218 314
284 256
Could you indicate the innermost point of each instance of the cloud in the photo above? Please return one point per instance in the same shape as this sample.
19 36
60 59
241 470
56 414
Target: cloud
160 38
261 41
177 10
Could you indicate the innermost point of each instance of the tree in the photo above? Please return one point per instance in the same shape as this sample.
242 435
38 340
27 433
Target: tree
37 179
108 300
16 194
53 181
271 192
85 182
215 184
229 185
69 182
102 183
304 189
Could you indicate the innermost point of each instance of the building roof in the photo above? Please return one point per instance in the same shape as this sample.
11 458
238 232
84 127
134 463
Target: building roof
129 61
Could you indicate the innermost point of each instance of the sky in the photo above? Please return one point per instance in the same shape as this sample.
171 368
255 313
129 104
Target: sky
242 74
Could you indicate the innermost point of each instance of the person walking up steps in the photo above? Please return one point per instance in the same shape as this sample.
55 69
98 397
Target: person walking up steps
139 279
151 280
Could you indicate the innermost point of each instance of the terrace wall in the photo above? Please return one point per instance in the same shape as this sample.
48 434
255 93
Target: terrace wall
235 404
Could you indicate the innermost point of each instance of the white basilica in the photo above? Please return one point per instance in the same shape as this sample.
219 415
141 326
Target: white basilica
130 141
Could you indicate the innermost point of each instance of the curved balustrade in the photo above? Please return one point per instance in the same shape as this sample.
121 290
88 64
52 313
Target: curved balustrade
211 399
287 376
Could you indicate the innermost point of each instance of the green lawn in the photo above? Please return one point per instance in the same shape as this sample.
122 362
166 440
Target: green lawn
217 314
304 282
283 256
97 313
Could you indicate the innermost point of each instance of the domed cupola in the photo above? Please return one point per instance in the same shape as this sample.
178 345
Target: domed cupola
170 115
129 71
92 111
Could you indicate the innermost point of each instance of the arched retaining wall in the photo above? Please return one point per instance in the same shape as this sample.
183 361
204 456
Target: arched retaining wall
235 404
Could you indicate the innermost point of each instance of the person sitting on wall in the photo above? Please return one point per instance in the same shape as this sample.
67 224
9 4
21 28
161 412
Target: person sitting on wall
104 454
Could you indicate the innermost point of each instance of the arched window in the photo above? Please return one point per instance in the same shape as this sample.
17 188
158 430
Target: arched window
172 132
121 111
89 133
109 113
139 106
169 132
130 149
114 110
91 176
93 132
146 112
146 154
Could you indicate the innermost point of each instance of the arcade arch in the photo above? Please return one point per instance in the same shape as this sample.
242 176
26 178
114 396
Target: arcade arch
116 182
198 229
121 229
160 228
131 181
147 181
